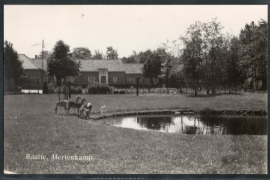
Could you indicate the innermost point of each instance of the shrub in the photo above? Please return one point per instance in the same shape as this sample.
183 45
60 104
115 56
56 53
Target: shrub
99 89
72 90
63 89
45 88
78 89
103 89
56 89
92 89
121 91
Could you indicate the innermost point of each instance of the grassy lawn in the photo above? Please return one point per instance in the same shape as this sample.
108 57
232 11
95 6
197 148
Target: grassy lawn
31 127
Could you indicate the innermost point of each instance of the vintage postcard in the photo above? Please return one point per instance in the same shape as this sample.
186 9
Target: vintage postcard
135 89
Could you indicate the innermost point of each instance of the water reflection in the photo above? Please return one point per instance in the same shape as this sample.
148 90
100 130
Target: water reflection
195 124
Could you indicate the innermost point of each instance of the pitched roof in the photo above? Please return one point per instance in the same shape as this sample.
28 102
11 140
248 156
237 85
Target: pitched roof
28 63
115 65
133 68
38 61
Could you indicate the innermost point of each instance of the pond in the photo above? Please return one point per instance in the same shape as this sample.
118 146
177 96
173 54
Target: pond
205 125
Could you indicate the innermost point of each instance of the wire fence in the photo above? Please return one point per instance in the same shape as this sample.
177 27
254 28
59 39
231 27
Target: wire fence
35 86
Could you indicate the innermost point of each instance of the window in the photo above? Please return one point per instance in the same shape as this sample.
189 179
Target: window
114 79
131 80
91 79
71 79
24 74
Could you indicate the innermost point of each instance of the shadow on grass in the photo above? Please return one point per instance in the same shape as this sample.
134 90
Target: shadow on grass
214 95
67 115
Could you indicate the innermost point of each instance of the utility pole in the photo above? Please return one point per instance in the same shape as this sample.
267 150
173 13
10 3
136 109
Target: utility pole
42 77
137 86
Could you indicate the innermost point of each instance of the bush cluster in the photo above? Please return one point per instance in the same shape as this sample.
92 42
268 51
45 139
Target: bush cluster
119 91
99 89
76 90
73 90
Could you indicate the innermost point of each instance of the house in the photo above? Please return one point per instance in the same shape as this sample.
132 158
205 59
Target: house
32 75
111 72
38 60
101 71
133 71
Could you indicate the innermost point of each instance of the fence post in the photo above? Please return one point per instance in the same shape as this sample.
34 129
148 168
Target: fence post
65 90
137 79
57 82
29 86
69 92
38 86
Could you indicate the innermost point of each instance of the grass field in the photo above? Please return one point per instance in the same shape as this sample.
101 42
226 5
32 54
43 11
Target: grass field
31 127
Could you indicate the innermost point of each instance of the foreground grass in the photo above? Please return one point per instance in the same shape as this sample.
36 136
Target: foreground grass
31 127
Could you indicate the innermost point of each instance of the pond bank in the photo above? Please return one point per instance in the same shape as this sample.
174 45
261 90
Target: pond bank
258 112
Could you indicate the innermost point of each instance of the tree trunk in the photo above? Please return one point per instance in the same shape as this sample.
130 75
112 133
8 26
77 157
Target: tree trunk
207 86
252 80
264 84
65 82
195 87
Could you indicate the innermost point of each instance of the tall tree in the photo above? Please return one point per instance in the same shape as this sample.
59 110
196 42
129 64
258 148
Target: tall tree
213 40
232 64
111 53
131 59
98 55
192 53
166 68
171 67
60 63
81 53
152 65
46 54
261 37
246 52
12 65
253 53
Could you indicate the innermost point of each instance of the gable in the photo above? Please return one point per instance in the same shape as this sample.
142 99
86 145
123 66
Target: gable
39 63
27 63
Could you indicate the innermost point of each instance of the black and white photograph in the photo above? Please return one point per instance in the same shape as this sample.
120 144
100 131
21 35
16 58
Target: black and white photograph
135 89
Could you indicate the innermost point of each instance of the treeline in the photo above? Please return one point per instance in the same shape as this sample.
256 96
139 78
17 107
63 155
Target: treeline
84 53
207 56
213 57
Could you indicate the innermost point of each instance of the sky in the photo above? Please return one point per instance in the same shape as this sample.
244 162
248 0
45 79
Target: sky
126 28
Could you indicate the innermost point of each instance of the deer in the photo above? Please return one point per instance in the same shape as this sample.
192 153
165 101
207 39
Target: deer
75 105
65 104
85 110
